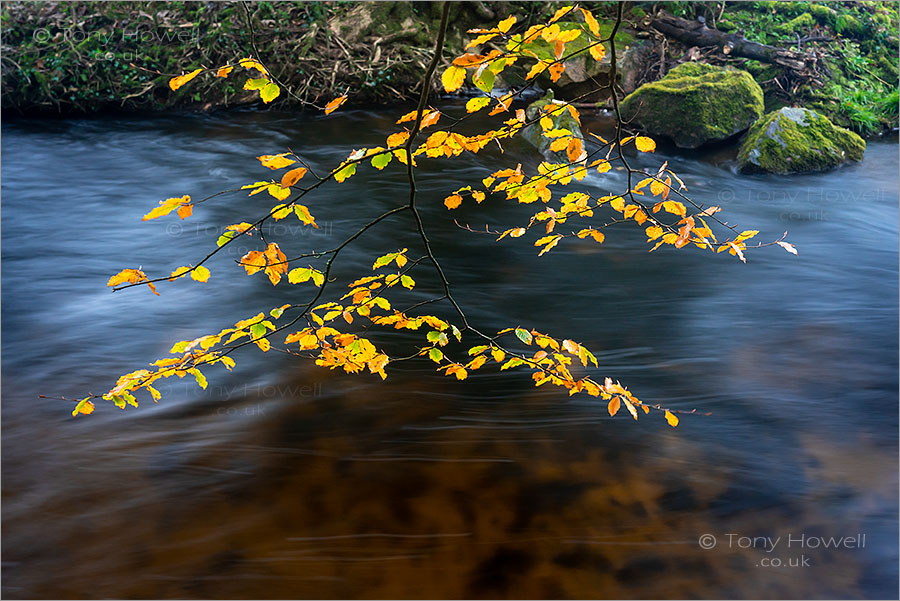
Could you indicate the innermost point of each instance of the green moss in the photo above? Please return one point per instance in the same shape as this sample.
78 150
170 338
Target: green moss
798 24
696 103
793 140
846 24
726 26
823 14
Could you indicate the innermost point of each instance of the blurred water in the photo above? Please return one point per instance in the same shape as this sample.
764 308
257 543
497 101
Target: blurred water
283 480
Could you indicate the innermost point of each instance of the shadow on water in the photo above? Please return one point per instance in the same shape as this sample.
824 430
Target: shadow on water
282 480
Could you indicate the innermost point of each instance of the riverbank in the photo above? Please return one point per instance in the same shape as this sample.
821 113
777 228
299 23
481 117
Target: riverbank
89 57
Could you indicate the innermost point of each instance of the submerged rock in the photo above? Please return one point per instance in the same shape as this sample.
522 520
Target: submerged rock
793 140
696 103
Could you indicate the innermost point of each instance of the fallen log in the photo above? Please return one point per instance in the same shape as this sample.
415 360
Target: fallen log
696 33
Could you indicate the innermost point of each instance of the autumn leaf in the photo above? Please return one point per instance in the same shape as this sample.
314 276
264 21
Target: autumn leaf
453 201
270 92
524 335
130 276
671 418
177 82
249 63
786 246
506 23
453 78
275 161
253 261
292 177
334 104
224 71
167 206
84 406
200 274
645 144
613 406
476 104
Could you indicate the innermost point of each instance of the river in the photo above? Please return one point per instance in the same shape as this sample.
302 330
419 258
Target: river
283 480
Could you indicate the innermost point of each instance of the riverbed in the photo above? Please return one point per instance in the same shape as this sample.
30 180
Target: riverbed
283 480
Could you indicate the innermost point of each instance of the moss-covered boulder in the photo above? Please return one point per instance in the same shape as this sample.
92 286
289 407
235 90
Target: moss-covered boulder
696 103
793 140
561 120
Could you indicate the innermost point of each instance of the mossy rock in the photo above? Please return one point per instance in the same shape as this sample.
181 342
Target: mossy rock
798 24
561 120
696 103
796 140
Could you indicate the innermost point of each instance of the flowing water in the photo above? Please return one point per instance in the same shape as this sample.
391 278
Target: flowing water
284 480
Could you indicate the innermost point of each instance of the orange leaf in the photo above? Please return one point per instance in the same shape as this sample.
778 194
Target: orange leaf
253 261
292 177
613 406
334 104
453 201
177 82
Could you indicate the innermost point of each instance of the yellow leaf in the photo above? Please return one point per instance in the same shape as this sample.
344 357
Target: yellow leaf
671 418
201 274
270 92
675 207
591 22
597 52
84 407
654 232
506 23
476 104
275 161
249 63
177 82
167 206
645 144
334 104
453 78
279 192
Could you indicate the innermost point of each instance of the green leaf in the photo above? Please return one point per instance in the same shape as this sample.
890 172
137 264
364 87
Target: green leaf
435 355
225 237
380 161
433 336
344 173
407 282
201 379
485 82
456 333
523 335
269 93
257 330
477 349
